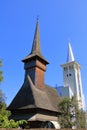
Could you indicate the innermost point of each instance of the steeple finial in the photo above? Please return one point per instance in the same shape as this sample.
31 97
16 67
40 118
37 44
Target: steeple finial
70 56
36 41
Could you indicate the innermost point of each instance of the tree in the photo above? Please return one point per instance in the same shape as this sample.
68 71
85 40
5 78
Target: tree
64 118
4 119
80 115
70 114
1 77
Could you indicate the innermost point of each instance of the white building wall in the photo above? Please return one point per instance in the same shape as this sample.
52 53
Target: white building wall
72 78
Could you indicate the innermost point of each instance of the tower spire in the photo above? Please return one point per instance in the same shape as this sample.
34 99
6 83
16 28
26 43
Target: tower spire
70 56
36 41
35 51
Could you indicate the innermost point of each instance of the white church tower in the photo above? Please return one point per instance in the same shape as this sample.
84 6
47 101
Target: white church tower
72 78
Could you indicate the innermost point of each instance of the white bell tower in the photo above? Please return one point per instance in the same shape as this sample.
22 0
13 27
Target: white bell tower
72 77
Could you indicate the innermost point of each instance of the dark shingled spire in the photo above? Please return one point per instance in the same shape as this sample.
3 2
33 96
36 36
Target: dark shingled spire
36 41
35 51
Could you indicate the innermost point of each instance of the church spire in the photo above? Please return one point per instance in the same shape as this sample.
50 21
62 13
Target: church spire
36 41
70 56
36 51
35 63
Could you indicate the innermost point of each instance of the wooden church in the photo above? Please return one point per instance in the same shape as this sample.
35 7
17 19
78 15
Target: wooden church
35 102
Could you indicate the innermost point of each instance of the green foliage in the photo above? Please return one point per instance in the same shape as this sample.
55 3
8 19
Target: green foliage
70 114
4 114
1 77
79 114
81 119
65 117
4 119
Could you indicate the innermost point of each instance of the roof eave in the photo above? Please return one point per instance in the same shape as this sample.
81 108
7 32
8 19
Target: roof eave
33 56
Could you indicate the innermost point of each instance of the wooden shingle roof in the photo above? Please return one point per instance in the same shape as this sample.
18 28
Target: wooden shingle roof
30 97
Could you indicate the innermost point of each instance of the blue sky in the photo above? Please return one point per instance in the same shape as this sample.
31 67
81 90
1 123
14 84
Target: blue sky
59 21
